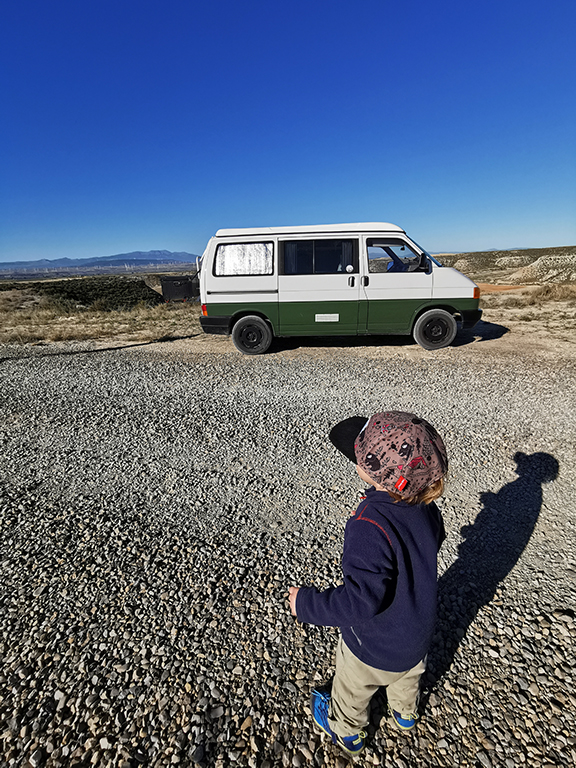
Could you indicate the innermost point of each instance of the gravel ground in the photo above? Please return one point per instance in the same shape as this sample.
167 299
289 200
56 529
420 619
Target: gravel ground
156 504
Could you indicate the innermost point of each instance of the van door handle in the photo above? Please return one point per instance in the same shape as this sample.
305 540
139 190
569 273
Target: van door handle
351 282
364 280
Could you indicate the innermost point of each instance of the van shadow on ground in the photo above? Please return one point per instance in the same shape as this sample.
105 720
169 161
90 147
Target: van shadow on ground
491 547
482 331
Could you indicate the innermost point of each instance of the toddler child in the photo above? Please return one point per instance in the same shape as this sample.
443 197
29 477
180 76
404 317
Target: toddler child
386 606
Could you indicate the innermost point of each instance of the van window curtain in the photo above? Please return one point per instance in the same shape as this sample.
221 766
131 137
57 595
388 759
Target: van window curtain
347 254
290 258
244 259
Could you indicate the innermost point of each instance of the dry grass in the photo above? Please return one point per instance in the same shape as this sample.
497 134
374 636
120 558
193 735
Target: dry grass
26 317
539 296
546 310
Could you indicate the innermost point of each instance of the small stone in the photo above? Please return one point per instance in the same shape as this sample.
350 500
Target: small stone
198 754
487 744
37 757
483 758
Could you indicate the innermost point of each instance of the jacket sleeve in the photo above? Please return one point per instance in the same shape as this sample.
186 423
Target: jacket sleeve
369 572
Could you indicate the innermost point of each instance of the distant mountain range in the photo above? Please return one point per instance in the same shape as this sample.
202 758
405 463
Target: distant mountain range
133 259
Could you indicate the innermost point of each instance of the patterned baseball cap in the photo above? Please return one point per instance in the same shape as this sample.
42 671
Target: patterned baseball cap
398 450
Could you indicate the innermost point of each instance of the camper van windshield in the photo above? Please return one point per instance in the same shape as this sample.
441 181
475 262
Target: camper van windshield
428 255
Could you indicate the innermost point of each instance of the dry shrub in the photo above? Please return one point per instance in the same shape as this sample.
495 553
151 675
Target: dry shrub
540 296
553 292
103 292
505 300
491 300
15 300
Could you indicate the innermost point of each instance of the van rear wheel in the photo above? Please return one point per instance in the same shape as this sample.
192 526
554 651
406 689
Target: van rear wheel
435 329
252 335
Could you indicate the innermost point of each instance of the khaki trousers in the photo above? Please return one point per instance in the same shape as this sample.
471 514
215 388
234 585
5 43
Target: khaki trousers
354 685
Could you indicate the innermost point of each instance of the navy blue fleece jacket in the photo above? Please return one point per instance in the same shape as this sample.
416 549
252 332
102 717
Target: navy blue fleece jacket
386 607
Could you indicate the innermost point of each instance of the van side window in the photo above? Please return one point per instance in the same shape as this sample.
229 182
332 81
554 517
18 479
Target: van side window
244 259
319 257
392 255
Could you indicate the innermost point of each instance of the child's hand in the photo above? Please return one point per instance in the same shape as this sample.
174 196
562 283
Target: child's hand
292 593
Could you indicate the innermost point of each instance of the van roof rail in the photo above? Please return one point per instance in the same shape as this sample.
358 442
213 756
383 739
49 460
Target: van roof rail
372 226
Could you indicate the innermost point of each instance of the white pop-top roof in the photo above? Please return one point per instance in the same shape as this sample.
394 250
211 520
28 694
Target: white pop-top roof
319 229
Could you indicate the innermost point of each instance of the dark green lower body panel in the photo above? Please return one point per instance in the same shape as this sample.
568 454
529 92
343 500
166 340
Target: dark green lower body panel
395 317
398 316
310 318
342 318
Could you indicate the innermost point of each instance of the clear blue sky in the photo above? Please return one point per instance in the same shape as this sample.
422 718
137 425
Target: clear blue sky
147 124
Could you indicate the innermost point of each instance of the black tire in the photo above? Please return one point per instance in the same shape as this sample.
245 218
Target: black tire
435 329
252 335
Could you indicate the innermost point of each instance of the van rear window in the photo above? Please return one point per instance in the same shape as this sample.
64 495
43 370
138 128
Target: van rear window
244 259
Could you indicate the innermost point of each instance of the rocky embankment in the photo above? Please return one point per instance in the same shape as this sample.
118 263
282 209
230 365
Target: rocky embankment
154 508
526 266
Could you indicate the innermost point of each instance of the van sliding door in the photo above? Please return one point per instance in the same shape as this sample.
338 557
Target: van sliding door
318 287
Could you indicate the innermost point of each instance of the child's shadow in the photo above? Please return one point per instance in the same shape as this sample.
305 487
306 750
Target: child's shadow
491 548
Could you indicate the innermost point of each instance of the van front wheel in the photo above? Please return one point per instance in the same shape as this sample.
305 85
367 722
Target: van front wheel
251 335
435 329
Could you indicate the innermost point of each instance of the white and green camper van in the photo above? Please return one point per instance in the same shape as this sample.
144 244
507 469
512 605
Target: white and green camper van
334 280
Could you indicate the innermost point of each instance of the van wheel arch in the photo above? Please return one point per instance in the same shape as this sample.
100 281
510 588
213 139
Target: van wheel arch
435 328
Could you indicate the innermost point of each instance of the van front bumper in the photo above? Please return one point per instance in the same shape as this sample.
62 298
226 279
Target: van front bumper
470 317
219 324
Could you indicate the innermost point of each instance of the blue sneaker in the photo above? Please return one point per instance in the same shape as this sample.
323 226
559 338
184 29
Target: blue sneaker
353 745
405 723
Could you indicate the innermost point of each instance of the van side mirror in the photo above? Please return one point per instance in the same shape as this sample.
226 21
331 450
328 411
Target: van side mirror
425 264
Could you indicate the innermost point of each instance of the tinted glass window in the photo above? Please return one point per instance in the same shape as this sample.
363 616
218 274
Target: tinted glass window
299 257
244 259
324 257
